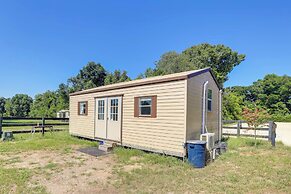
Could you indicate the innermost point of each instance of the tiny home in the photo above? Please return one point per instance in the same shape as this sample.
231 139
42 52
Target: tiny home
158 114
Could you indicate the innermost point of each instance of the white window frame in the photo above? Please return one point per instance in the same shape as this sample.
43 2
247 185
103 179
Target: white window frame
141 106
114 109
101 110
82 108
209 100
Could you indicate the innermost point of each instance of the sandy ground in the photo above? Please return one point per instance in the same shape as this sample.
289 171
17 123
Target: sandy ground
73 172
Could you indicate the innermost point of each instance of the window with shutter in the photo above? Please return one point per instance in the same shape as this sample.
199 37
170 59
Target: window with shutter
145 106
83 108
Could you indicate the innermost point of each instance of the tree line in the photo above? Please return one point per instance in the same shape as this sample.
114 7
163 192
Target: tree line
49 103
270 93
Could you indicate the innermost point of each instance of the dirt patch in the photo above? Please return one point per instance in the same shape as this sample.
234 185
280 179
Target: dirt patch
135 158
73 172
131 167
38 159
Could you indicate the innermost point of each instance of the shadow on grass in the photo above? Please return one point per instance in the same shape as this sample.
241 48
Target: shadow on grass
253 143
225 139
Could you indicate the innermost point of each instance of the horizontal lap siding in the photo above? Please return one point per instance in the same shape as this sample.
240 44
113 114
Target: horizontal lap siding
79 124
194 107
165 133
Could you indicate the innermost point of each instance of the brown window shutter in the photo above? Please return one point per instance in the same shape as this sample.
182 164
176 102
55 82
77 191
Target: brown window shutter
136 108
78 108
154 107
86 111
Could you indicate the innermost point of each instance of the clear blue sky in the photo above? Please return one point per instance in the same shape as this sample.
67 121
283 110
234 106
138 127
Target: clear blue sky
43 43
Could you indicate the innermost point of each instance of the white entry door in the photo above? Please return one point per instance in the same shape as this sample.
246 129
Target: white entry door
101 118
114 118
108 118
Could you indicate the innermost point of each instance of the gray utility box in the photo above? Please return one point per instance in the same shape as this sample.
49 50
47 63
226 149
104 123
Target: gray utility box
7 136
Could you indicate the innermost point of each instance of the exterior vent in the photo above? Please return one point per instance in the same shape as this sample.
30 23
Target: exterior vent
209 138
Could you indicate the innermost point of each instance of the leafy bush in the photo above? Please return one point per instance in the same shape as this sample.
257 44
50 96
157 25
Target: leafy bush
281 118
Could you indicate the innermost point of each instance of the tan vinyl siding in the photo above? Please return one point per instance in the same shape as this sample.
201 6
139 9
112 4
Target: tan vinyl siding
194 106
166 132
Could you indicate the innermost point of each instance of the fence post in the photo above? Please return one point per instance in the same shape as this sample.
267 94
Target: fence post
274 126
270 130
42 127
238 128
1 120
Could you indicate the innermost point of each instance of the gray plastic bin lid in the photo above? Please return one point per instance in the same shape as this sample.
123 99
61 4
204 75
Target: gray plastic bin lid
196 142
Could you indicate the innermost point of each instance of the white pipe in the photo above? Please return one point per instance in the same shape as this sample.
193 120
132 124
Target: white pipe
220 116
204 108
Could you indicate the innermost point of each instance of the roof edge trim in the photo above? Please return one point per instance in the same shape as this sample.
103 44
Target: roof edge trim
146 82
204 71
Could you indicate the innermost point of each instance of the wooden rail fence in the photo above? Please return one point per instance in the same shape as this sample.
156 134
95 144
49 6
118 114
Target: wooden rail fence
235 127
36 122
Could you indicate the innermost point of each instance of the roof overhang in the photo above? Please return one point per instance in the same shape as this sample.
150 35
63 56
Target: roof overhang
162 79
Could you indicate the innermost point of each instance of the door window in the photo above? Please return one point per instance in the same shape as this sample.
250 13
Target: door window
114 109
101 109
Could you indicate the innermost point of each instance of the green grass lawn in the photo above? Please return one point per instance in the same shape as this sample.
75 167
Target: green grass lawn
243 169
50 141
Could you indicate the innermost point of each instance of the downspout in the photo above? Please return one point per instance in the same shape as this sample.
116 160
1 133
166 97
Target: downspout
220 116
204 108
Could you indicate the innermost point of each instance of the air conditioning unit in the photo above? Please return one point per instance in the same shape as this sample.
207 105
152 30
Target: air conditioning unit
209 138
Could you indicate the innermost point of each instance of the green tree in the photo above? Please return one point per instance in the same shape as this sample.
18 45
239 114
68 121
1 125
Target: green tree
273 93
220 58
116 77
45 105
232 106
20 105
8 107
173 62
90 76
63 97
170 62
152 72
2 106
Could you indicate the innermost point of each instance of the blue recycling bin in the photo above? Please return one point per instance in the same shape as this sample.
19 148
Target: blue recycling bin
196 153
